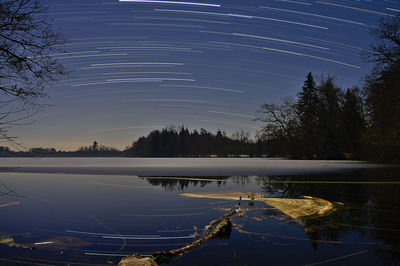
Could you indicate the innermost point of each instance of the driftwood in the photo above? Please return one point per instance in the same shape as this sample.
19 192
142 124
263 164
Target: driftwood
222 230
137 261
213 222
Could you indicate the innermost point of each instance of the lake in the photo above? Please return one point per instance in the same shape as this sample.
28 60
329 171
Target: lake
52 215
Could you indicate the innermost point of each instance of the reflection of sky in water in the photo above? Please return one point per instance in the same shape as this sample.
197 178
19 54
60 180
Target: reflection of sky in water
87 217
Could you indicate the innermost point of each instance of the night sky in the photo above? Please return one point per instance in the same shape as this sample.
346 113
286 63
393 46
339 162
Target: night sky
136 66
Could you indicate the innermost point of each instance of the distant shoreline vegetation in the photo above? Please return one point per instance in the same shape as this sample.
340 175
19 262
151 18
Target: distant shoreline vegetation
327 122
171 141
272 142
87 151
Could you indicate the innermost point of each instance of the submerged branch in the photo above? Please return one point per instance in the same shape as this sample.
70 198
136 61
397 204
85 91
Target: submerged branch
221 230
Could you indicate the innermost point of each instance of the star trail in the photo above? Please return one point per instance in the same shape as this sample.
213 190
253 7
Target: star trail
139 65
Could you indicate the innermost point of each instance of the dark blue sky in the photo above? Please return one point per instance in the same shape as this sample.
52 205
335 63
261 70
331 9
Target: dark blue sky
137 66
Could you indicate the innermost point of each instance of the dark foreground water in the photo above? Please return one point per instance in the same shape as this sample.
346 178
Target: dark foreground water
58 219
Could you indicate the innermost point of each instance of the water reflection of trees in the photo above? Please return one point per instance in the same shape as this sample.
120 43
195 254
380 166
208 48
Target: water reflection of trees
369 210
241 180
182 184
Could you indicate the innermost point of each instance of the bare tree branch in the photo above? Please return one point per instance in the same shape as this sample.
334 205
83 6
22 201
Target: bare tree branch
26 67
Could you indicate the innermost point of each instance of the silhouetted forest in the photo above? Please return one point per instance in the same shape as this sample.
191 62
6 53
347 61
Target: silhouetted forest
327 122
324 122
173 142
98 150
94 150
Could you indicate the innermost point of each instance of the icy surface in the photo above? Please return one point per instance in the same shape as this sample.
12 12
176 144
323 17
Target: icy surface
178 166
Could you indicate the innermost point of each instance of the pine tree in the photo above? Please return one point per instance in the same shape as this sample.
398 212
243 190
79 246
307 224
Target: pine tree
307 108
329 114
353 123
383 93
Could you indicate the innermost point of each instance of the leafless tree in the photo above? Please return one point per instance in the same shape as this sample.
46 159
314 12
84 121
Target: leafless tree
281 120
27 41
386 50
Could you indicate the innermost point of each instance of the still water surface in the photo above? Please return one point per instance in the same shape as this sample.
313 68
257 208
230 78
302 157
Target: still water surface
98 219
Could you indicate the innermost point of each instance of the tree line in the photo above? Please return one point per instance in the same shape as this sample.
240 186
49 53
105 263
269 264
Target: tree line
326 122
94 150
180 142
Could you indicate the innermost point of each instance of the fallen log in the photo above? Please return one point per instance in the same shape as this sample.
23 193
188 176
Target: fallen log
222 230
137 261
